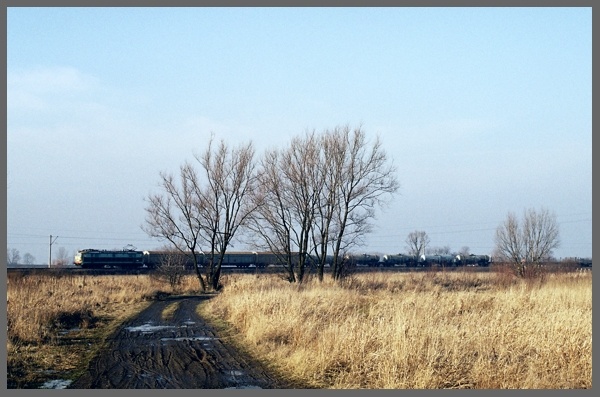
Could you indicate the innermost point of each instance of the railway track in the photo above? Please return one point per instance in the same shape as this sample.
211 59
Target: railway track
225 269
24 270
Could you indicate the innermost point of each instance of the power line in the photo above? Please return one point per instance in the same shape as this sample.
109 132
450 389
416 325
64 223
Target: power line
77 237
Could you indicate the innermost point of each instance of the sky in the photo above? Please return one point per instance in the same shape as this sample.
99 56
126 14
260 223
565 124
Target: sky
483 111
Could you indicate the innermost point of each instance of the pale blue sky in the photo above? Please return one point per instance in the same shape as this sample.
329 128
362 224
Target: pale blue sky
483 111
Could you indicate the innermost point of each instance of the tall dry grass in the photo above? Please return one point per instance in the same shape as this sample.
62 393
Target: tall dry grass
419 330
41 309
416 330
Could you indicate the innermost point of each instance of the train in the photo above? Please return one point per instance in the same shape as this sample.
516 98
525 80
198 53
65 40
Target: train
135 259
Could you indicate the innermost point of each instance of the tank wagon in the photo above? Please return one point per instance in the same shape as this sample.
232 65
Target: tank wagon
369 260
473 260
584 262
439 260
401 260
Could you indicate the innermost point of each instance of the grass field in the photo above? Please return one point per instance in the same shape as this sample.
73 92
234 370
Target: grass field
427 330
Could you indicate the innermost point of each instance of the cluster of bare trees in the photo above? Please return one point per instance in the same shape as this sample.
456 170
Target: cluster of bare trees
527 243
314 198
417 244
13 257
524 244
318 196
62 258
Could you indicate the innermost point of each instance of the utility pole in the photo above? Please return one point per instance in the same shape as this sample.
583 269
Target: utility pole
50 256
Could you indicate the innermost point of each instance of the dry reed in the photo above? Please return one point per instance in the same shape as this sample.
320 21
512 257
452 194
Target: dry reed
420 330
425 330
43 309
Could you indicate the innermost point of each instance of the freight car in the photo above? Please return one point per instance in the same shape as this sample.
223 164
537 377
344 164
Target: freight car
231 259
584 262
473 260
439 260
154 259
369 260
401 260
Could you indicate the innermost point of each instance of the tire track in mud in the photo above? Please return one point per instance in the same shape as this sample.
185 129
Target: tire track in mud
182 352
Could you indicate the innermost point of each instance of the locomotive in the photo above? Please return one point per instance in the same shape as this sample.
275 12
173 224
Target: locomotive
96 259
130 259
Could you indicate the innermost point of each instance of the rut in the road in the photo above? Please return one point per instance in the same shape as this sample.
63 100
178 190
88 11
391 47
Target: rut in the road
182 352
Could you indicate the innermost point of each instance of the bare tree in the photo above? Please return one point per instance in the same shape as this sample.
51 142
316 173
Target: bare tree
173 214
361 178
272 221
62 258
286 203
207 210
445 250
28 259
225 202
13 256
171 267
529 242
417 242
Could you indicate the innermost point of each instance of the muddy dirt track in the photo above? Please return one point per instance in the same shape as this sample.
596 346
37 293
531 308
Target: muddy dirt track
183 352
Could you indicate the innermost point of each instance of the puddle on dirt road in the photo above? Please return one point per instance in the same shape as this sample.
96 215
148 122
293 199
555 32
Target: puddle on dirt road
233 377
149 328
182 338
56 384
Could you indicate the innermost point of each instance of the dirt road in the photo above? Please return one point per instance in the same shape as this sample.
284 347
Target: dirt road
180 352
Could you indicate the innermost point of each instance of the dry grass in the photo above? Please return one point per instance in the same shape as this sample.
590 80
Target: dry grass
382 330
419 331
52 320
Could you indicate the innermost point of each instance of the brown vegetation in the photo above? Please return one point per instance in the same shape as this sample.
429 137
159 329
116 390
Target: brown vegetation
55 323
424 330
420 330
